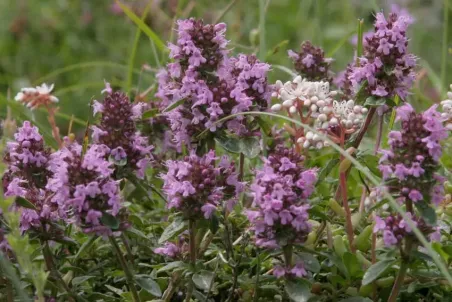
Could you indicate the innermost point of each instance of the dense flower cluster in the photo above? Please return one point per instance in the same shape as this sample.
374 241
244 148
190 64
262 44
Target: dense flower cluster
196 187
117 130
412 159
84 184
310 62
447 109
27 175
409 168
315 104
211 84
36 97
395 228
386 66
281 190
4 245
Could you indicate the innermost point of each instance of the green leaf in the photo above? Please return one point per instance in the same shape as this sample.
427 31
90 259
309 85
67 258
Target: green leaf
173 105
376 270
203 279
439 249
352 264
310 262
137 233
114 289
109 221
138 22
230 144
85 246
20 201
298 292
374 102
79 280
172 265
175 228
265 125
427 212
326 170
149 285
150 114
250 146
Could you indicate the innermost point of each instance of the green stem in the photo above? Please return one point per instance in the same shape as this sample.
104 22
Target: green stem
126 269
262 42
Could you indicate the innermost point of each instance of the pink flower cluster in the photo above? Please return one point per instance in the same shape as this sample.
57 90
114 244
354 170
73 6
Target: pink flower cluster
386 67
310 62
281 189
211 84
196 187
27 175
117 130
84 185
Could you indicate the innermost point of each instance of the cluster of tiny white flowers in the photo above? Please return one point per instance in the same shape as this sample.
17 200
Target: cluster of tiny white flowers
447 109
33 97
299 92
326 112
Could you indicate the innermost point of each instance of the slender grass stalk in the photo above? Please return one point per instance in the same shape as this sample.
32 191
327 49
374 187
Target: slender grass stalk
444 47
126 269
392 202
225 11
262 41
359 49
348 214
135 48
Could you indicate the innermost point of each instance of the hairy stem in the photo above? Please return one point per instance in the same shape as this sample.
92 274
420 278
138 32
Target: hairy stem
288 252
241 166
348 213
48 258
258 272
125 241
126 269
55 129
405 255
192 234
364 128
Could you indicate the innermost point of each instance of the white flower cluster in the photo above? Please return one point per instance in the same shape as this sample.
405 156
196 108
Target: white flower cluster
316 98
447 109
35 97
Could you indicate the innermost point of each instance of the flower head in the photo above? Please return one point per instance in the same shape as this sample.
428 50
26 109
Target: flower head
36 97
196 186
310 62
281 190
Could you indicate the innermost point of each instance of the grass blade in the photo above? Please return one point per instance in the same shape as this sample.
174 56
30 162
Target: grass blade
138 22
134 49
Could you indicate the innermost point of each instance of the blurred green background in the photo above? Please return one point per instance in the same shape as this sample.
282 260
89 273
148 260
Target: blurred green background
77 44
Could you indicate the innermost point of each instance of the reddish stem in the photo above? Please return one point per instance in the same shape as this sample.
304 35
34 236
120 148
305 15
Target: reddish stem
55 129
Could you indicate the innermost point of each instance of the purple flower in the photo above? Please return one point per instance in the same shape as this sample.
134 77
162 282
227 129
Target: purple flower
281 189
117 130
279 271
311 63
85 186
196 187
386 66
211 84
414 154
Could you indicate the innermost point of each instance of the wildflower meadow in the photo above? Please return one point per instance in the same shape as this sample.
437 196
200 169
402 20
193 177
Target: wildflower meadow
232 151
